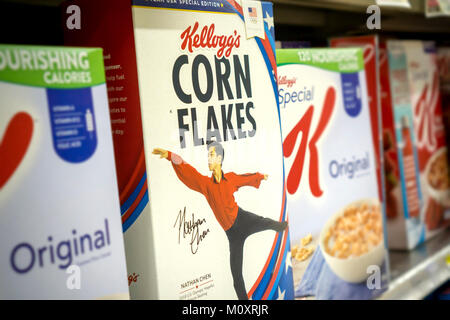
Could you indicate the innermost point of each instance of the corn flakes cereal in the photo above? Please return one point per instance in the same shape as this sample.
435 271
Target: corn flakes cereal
303 254
306 240
357 231
300 252
294 250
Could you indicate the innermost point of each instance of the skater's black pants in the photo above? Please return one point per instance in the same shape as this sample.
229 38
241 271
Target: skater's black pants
246 224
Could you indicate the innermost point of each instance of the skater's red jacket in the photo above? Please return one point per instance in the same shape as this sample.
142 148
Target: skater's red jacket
218 194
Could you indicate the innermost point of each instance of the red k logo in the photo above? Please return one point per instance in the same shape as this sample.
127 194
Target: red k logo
424 116
304 126
14 145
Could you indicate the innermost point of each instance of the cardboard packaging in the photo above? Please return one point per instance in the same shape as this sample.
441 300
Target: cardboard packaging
420 193
206 73
59 205
443 55
370 47
119 53
335 212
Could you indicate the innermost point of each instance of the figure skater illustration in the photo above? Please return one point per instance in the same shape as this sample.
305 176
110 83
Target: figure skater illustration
219 191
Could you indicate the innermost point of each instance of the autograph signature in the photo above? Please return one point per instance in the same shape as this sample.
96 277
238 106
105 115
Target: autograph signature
190 227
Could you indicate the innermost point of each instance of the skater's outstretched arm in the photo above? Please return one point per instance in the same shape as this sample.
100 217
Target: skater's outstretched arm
184 171
249 179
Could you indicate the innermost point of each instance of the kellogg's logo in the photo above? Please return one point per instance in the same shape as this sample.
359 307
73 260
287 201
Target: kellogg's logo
283 80
207 38
132 278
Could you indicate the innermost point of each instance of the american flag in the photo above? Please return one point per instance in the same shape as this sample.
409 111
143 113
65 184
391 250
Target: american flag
252 12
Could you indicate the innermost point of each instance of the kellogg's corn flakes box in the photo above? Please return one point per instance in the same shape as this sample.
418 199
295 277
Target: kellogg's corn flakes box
335 211
423 192
214 224
61 235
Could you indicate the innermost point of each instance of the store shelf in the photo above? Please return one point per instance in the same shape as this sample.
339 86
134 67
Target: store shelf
337 17
417 273
416 6
334 16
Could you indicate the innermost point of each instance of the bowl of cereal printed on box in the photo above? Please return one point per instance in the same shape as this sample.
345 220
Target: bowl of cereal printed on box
352 240
437 177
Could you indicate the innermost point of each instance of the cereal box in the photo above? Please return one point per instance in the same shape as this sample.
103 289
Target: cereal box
393 201
444 79
369 44
212 149
126 123
335 212
59 206
423 192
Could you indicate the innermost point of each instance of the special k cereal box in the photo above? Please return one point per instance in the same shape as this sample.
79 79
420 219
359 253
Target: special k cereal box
61 236
215 220
443 55
335 211
370 46
423 194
